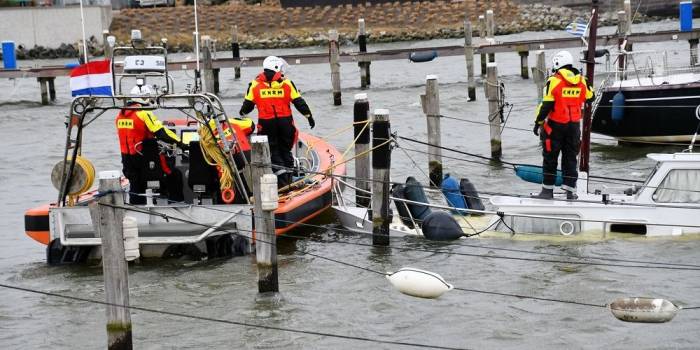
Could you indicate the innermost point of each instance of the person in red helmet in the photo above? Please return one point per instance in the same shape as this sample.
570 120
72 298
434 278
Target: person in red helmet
272 93
558 124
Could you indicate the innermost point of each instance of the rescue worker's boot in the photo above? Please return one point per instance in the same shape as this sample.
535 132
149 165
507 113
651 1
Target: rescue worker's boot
546 193
571 195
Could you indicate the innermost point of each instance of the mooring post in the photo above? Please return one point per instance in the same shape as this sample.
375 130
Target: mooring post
107 221
469 57
364 65
266 239
106 48
236 52
494 113
490 33
524 70
217 87
539 74
44 91
381 165
334 52
431 107
52 88
361 135
207 65
482 39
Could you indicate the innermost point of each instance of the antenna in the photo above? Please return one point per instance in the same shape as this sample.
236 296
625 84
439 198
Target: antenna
82 24
196 48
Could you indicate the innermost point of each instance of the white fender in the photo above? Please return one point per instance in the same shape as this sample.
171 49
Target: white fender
419 283
131 238
648 310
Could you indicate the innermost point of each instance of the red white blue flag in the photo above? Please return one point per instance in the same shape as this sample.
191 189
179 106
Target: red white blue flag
93 79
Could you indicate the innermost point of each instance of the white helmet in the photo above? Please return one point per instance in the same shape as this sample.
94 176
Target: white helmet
561 59
275 63
141 95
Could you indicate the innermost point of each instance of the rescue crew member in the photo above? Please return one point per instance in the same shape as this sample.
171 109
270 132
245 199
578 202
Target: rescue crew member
272 93
558 124
139 129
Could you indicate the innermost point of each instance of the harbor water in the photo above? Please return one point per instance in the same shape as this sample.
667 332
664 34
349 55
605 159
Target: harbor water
318 295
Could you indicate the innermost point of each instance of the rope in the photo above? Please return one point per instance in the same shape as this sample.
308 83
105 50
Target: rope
225 321
213 156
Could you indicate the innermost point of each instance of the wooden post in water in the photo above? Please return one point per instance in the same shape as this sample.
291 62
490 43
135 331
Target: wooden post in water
539 74
44 91
524 70
364 65
494 114
334 53
106 48
107 222
490 33
208 78
361 137
266 239
236 52
482 38
693 51
431 107
469 57
52 88
381 166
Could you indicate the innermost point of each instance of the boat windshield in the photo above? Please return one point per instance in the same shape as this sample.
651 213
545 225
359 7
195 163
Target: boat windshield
651 175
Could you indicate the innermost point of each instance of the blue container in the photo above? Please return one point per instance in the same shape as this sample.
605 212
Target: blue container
686 15
9 60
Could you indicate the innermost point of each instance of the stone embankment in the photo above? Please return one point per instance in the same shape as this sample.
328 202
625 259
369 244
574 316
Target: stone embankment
270 26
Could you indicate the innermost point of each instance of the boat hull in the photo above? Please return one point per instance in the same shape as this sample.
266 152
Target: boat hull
661 113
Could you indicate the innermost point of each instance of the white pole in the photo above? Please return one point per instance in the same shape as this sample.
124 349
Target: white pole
196 35
82 24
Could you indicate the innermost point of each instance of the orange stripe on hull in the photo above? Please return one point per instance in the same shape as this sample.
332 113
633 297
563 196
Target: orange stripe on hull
42 237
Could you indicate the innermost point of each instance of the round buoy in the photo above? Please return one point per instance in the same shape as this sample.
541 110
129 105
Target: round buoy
566 228
646 310
228 195
81 180
419 283
441 226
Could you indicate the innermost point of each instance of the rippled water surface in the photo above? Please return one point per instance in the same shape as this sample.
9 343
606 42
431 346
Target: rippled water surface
322 296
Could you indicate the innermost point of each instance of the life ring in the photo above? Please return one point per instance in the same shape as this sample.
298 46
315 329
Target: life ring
228 195
566 228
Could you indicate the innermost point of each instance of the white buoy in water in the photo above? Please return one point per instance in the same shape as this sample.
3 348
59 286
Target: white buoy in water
419 283
647 310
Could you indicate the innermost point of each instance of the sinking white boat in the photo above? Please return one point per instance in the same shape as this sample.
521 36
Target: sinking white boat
666 204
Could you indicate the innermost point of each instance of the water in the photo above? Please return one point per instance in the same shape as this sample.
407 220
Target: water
323 296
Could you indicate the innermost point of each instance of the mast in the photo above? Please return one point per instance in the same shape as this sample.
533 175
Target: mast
588 110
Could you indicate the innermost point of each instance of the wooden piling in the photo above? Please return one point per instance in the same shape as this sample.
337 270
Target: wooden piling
524 70
494 113
52 88
431 107
334 52
266 239
364 65
381 165
106 48
236 52
539 74
693 51
490 33
469 58
361 137
482 38
208 78
107 222
44 91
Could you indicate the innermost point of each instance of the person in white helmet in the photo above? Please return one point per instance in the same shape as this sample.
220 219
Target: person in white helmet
272 93
138 130
558 124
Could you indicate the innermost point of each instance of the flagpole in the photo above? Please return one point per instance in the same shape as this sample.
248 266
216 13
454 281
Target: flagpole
588 110
82 24
196 44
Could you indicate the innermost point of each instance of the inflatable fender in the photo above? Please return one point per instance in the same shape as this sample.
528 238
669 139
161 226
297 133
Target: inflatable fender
618 107
422 56
471 196
397 191
533 173
414 192
451 191
647 310
441 226
419 283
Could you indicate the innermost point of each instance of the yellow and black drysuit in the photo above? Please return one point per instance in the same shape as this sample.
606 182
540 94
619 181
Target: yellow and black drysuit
558 125
272 93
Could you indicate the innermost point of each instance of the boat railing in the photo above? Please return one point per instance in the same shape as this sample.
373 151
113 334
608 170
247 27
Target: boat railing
641 65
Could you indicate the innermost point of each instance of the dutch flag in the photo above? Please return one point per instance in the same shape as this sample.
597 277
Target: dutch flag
577 28
93 78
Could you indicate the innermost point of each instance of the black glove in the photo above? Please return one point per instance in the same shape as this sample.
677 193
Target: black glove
312 123
183 146
536 129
